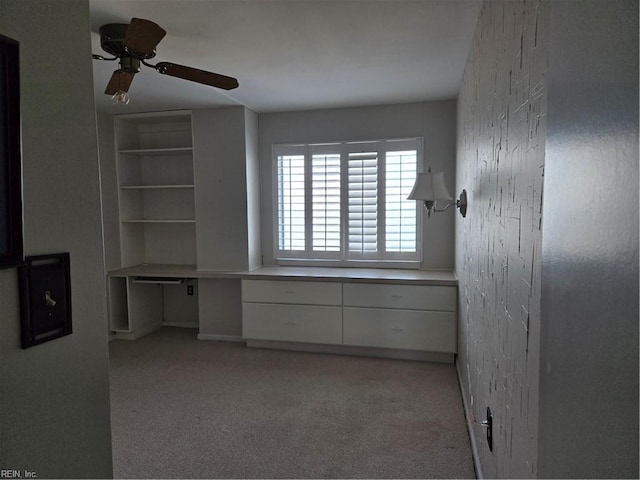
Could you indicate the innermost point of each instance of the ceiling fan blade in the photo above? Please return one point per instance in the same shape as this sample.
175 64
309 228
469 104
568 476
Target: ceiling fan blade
120 81
196 75
142 37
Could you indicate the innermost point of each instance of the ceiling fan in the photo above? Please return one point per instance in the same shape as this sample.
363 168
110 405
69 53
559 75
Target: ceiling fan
133 44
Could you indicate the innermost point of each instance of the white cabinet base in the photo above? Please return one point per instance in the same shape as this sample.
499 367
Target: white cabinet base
356 351
394 320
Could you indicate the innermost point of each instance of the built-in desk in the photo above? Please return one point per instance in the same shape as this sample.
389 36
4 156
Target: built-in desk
384 312
143 298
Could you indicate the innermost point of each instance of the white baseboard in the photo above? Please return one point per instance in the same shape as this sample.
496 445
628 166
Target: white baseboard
141 332
470 427
181 324
220 338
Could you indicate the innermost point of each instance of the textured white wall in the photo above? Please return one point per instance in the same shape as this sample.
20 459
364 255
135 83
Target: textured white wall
54 408
500 162
589 334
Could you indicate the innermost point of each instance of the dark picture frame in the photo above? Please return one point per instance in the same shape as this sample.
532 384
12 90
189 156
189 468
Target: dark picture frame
11 247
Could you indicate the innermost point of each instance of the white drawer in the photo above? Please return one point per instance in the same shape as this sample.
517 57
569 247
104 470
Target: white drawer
401 329
292 323
411 297
304 293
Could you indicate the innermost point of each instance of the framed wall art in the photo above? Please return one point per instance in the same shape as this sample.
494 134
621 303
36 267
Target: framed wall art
11 249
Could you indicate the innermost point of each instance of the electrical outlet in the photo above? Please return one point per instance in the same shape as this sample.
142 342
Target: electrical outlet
189 289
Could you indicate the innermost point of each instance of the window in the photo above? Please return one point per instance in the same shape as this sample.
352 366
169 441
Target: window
347 202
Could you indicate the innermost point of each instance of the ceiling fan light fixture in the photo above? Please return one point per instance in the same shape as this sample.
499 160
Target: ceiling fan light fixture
121 97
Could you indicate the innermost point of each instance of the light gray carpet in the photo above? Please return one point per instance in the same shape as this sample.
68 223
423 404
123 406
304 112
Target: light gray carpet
184 408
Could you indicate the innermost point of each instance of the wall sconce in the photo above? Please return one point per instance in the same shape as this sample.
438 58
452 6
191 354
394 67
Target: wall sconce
430 188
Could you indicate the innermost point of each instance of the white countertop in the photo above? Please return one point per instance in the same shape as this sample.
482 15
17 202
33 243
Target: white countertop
365 275
335 274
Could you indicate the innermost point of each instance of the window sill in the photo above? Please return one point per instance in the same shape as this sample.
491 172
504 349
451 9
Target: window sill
293 262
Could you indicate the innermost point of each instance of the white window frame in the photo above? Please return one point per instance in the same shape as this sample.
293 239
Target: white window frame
351 259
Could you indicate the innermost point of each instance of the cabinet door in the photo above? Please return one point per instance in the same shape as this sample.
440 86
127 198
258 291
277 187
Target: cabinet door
292 323
402 329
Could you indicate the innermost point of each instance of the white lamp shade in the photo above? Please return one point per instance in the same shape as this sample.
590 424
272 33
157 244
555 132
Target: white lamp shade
430 186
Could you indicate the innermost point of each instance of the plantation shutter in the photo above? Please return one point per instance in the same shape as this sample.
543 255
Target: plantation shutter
325 202
401 221
290 193
362 188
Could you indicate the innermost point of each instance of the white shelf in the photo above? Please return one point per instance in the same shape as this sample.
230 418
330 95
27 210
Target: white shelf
147 220
146 187
158 152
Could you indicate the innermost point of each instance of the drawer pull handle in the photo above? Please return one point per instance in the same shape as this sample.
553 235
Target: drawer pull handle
289 291
396 296
398 329
290 324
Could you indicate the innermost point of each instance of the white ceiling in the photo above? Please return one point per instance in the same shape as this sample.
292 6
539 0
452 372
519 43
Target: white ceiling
295 54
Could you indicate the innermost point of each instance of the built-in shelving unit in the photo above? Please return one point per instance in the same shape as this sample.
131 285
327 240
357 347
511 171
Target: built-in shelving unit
156 191
188 203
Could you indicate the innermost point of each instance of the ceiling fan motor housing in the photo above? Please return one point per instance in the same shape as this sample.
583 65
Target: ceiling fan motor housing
112 41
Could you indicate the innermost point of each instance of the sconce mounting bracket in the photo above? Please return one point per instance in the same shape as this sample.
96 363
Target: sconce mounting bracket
461 203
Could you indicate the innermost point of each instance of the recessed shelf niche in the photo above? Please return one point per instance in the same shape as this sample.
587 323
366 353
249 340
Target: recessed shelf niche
156 188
